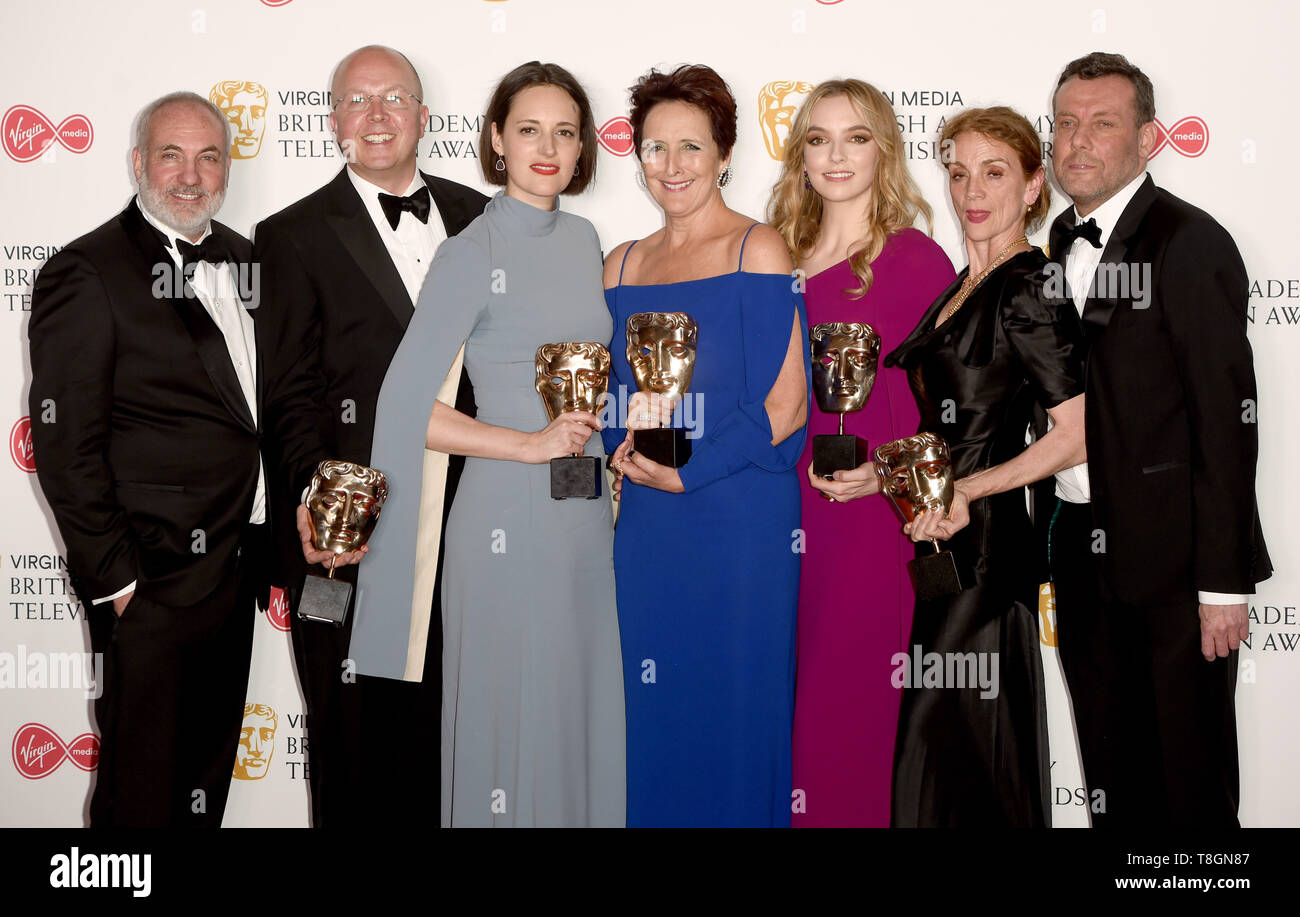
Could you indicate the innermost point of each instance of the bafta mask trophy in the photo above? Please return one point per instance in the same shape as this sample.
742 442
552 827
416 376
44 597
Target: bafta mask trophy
844 360
916 475
661 352
573 377
343 501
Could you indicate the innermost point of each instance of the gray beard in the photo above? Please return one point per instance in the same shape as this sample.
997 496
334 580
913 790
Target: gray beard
160 208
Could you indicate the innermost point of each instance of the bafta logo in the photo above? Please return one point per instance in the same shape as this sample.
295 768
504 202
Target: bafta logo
244 103
777 103
256 742
1047 614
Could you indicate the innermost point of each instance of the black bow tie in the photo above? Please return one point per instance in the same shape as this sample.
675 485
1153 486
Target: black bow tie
1089 230
213 250
417 203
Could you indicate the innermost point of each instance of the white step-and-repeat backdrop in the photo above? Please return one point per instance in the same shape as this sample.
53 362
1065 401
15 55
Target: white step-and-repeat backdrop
76 72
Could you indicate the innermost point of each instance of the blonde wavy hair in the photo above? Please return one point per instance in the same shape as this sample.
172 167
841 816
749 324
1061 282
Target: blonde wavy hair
896 202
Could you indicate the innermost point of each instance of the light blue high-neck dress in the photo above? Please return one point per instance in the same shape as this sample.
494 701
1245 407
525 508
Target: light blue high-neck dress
533 719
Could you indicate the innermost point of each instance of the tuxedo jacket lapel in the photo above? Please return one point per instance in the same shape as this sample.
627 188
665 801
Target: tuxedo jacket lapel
1097 310
451 209
348 218
215 357
208 340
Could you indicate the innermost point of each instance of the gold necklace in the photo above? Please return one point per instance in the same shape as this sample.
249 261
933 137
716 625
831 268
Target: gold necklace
969 284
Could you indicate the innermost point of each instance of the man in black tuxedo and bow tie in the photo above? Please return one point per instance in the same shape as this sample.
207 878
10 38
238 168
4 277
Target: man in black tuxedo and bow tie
146 426
341 270
1156 544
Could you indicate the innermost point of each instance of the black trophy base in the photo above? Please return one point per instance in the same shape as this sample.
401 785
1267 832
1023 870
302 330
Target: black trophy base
325 600
937 575
667 446
834 452
575 477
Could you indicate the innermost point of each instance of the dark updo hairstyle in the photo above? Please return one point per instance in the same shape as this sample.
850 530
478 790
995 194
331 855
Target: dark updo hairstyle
535 73
1005 125
694 84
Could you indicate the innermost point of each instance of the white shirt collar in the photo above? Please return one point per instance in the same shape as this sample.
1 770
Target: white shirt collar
171 234
1108 214
370 191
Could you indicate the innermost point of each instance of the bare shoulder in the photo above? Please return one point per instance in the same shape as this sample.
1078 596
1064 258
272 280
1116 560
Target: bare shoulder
765 252
614 263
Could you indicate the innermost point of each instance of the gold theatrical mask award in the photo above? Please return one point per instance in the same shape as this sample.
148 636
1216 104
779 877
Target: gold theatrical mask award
916 475
573 377
844 360
343 502
661 352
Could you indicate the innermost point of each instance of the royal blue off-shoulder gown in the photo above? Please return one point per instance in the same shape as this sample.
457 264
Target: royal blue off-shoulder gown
708 580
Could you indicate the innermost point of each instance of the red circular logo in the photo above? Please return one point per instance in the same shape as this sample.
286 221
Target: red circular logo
20 445
26 133
38 751
278 611
616 136
274 2
1190 137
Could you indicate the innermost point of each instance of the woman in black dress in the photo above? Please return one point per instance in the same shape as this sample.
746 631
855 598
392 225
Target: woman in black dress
990 348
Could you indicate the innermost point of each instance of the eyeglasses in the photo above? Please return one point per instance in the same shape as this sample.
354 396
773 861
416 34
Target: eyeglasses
393 100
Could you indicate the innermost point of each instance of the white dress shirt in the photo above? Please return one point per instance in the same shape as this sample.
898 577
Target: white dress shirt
412 244
1081 262
215 287
1080 269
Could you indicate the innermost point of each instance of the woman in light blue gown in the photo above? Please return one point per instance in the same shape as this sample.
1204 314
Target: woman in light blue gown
532 730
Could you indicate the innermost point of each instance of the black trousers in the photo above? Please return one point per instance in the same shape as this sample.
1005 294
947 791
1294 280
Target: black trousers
1156 722
172 709
369 740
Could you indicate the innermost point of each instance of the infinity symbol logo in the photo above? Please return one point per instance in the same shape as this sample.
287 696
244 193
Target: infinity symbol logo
27 133
38 751
1189 137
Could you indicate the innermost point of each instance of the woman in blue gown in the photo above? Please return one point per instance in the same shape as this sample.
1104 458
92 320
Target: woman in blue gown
706 556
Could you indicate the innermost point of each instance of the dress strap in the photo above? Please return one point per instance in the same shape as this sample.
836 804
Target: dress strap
741 265
623 266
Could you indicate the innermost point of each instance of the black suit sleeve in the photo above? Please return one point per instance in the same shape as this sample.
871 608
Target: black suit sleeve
298 422
1203 288
73 352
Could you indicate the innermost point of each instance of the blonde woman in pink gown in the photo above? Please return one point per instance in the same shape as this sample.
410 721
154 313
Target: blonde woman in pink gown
845 204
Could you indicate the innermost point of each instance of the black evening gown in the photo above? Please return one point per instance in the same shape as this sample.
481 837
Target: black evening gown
967 756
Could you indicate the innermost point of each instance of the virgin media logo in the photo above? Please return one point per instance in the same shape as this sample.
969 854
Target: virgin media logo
616 136
1189 137
277 613
27 133
38 751
20 445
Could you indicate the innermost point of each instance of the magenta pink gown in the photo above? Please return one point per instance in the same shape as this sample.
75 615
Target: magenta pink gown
855 599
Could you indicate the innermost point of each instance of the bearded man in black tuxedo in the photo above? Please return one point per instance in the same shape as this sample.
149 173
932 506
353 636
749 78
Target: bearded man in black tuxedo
147 420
